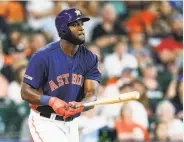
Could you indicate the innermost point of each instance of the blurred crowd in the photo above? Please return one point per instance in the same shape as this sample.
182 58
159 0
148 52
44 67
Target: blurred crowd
139 46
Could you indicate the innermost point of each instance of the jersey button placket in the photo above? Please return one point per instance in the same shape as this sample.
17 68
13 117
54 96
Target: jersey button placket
70 63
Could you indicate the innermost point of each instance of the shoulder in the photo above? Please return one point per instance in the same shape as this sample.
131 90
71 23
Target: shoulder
87 53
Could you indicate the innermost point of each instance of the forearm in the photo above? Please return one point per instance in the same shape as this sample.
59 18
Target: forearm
90 94
31 95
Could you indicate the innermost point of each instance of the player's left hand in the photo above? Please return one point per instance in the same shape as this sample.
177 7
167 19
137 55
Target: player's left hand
73 108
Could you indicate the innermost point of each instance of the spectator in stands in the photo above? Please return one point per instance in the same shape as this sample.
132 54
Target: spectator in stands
139 113
134 7
175 93
140 21
127 76
154 90
139 86
161 26
127 129
15 86
166 114
8 116
120 8
120 59
37 15
48 23
109 111
178 100
89 8
8 112
4 33
105 35
37 41
16 54
160 132
171 47
88 126
43 19
13 11
139 47
22 107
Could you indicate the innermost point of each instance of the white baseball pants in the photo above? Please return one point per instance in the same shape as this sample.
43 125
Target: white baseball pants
50 130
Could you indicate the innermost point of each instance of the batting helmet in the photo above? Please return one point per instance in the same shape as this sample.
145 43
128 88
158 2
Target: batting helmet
64 18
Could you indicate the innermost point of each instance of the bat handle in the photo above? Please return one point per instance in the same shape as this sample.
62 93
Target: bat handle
74 106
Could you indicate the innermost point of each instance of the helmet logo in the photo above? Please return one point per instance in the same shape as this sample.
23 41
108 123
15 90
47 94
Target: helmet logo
78 12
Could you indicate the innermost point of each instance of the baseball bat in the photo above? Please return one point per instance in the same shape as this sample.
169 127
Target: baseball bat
122 98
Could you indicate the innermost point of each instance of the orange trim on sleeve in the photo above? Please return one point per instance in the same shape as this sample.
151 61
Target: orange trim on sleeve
34 107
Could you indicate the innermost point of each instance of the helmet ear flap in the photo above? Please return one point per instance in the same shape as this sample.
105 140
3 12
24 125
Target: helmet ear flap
62 33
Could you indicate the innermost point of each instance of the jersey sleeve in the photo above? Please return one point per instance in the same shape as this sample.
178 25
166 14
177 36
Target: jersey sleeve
36 71
92 68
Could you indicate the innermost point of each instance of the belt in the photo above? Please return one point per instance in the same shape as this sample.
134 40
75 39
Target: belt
57 117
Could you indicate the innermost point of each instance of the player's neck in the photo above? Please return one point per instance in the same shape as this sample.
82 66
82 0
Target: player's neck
68 48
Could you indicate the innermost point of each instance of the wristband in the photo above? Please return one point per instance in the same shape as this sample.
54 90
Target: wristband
44 99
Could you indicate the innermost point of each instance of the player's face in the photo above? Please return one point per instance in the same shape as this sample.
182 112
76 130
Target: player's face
77 30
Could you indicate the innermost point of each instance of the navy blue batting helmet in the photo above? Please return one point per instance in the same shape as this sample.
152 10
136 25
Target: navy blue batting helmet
65 17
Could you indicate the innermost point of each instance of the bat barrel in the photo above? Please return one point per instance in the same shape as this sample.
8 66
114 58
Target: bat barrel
122 98
130 96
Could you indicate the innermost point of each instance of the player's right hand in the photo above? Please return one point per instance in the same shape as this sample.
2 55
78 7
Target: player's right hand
58 105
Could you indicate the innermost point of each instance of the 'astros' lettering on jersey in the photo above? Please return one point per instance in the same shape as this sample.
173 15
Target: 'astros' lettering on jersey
63 79
60 75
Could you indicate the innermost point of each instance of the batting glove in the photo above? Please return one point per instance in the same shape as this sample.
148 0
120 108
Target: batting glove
58 105
73 108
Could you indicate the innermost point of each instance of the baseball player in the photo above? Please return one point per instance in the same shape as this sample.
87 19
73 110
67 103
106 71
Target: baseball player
59 76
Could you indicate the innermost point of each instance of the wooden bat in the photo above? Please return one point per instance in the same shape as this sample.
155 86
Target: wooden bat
118 99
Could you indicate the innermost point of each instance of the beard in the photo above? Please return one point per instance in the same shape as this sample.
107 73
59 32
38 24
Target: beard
76 40
73 39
